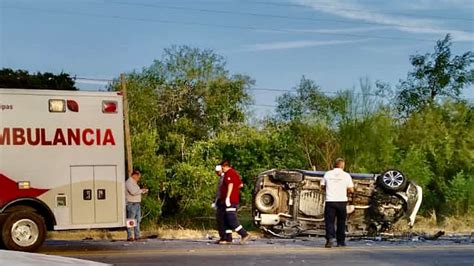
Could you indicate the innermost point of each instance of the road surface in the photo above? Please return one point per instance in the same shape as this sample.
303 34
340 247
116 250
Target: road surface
266 252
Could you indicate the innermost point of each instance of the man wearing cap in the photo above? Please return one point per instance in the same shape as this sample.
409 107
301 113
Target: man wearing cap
225 234
229 195
337 184
134 198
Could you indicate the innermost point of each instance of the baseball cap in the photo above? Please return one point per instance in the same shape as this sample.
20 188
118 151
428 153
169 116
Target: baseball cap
218 168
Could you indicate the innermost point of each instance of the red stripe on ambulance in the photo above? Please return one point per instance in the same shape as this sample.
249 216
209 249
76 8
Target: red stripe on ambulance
10 191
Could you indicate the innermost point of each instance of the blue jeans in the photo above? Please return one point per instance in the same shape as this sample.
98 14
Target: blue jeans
134 212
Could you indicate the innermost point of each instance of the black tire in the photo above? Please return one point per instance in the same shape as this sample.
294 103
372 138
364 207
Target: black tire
30 228
266 200
288 176
392 180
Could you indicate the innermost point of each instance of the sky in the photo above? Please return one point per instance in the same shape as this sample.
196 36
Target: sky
333 42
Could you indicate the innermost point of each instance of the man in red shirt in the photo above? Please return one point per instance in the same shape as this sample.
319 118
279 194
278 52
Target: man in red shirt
230 197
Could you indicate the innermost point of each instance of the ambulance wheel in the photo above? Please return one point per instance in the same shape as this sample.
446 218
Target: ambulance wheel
23 231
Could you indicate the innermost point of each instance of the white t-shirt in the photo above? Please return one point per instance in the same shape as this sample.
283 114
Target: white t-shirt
337 182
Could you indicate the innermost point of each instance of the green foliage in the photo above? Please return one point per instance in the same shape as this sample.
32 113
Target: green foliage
310 103
415 165
21 79
152 168
457 194
367 143
443 137
187 113
435 75
183 99
195 186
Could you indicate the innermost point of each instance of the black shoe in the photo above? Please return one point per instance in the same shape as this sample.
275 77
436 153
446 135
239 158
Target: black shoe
341 244
329 243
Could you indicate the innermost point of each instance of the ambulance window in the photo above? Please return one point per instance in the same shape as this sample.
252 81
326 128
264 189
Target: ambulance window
57 106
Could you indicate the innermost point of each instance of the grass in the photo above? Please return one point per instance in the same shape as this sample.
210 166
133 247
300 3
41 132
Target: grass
170 228
204 228
429 224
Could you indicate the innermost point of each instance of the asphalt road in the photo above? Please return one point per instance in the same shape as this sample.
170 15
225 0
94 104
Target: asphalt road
266 252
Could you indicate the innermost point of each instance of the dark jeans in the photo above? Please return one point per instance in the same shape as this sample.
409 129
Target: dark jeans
224 232
230 221
333 211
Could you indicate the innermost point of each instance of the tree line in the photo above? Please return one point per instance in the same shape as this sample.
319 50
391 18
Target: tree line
188 112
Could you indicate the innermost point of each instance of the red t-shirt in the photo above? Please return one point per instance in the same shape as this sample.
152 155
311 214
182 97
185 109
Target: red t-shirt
231 177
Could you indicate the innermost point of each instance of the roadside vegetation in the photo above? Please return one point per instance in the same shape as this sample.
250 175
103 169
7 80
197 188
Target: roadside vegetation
188 112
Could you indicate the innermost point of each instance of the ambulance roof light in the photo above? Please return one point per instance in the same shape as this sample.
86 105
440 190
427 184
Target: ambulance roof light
109 107
57 106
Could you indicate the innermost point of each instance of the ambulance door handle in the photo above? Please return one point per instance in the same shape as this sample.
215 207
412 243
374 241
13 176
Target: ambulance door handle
87 194
101 194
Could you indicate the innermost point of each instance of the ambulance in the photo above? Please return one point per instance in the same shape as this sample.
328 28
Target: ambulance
62 163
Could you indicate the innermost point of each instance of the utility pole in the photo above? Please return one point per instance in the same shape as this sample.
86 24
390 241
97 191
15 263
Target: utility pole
128 143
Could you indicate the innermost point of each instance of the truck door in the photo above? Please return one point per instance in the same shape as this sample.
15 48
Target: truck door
94 194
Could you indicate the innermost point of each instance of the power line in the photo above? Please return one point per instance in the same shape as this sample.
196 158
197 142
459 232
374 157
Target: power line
215 11
163 21
251 89
359 10
262 89
264 105
93 79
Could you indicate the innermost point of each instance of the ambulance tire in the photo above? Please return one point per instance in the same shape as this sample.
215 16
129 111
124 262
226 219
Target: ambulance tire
23 231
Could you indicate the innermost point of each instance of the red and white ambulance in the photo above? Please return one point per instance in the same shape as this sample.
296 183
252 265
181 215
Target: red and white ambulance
61 163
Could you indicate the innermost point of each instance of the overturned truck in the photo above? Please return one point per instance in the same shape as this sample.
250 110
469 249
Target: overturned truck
287 203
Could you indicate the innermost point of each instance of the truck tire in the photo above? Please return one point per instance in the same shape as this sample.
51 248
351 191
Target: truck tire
392 180
23 231
288 176
266 200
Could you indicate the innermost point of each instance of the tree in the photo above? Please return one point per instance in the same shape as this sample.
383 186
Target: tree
435 75
308 102
437 144
367 142
21 79
184 98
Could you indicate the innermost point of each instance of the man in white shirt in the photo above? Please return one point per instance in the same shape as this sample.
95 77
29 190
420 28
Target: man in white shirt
337 184
134 198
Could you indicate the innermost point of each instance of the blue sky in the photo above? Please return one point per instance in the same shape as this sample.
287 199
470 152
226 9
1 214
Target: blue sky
332 42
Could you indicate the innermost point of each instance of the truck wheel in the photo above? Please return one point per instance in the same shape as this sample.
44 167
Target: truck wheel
266 200
288 176
23 231
392 180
